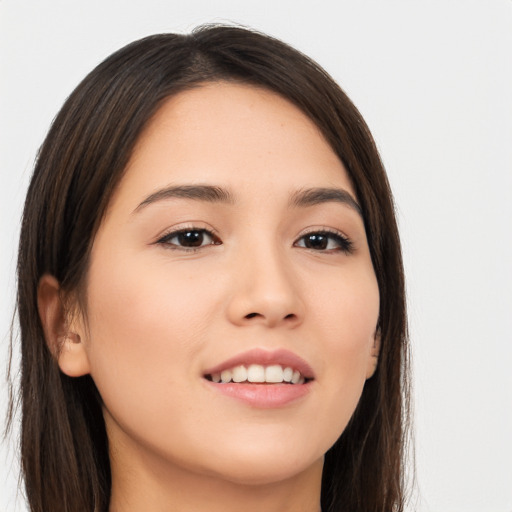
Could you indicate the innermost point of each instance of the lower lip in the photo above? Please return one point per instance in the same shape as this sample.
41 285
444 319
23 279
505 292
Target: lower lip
264 396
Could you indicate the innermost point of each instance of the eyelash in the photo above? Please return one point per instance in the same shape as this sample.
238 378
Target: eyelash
166 239
344 244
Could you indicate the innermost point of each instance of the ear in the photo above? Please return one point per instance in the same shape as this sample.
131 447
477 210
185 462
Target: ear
65 341
373 360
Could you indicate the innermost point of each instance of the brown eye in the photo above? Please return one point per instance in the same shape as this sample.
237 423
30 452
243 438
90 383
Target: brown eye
325 241
189 239
316 241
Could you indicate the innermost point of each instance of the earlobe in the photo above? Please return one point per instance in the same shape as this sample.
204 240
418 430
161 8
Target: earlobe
373 359
64 343
72 357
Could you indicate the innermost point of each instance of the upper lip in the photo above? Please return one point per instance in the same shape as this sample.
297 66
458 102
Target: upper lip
283 357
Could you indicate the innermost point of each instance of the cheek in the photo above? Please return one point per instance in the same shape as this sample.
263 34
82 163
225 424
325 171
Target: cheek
347 310
347 316
146 326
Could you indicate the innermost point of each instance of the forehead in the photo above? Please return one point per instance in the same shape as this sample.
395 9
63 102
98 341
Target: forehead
235 136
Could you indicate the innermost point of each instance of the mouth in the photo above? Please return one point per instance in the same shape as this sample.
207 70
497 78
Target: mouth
259 374
261 378
261 366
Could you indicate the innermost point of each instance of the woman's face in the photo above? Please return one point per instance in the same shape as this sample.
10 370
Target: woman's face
232 248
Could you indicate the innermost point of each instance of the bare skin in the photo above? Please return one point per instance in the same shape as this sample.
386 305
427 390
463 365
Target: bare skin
234 229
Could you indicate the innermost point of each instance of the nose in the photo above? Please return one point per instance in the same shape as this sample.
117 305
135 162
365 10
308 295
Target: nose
265 291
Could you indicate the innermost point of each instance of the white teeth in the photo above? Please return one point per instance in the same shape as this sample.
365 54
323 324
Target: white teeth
239 374
225 376
273 374
256 373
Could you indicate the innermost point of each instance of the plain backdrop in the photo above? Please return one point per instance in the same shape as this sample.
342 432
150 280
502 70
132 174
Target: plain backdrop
433 79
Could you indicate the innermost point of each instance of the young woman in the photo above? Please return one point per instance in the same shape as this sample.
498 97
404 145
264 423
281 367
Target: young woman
211 293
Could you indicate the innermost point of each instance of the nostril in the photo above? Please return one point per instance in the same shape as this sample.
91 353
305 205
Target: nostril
290 316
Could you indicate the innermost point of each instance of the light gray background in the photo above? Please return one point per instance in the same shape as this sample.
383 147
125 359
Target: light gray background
434 82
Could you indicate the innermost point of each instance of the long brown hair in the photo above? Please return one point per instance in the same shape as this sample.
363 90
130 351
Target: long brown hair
64 446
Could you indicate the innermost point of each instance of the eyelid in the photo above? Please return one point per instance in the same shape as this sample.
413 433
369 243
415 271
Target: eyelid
346 244
181 228
188 225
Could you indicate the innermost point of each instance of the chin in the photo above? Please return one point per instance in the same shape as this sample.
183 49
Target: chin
268 472
259 465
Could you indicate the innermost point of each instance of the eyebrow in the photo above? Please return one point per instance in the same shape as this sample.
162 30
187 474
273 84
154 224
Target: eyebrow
208 193
313 196
212 194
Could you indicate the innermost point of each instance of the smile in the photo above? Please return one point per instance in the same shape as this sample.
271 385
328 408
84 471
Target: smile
256 373
261 378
